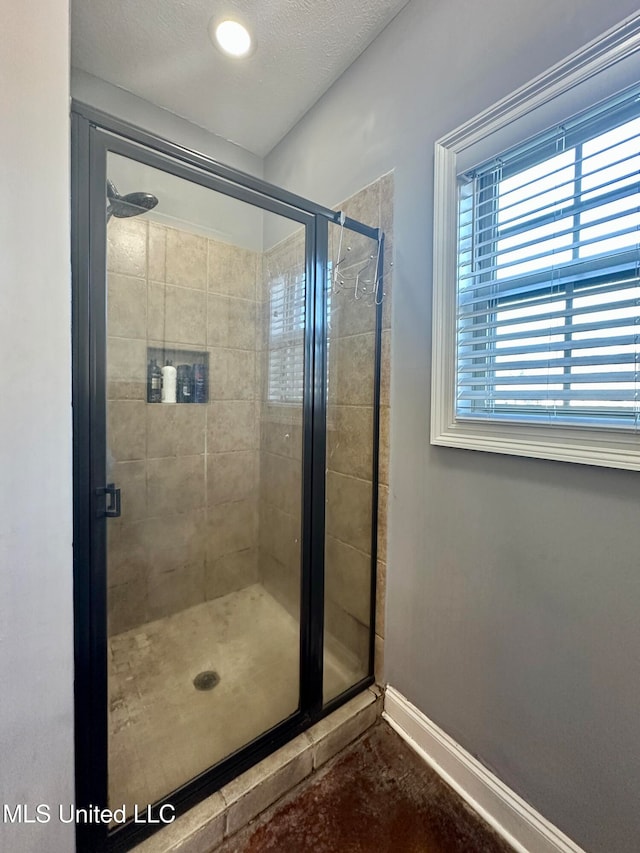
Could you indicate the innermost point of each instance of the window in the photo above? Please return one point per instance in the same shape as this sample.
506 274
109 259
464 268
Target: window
286 338
537 268
548 296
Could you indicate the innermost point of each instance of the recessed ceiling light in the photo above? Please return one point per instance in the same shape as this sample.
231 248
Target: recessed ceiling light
231 37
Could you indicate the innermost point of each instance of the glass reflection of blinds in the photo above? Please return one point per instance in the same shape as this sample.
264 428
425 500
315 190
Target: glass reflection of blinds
286 338
548 304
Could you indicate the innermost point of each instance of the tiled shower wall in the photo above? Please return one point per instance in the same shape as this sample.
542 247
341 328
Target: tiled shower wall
211 493
349 446
280 509
188 472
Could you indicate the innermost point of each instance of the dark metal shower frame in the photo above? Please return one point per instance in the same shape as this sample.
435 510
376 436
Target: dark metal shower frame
94 134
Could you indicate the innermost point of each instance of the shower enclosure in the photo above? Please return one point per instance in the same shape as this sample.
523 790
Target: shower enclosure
226 390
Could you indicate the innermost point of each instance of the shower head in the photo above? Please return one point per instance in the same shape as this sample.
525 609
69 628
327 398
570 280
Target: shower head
124 206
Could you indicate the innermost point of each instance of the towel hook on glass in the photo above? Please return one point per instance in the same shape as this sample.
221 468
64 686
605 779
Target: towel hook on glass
359 272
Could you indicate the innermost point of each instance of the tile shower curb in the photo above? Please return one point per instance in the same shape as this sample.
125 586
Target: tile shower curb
221 815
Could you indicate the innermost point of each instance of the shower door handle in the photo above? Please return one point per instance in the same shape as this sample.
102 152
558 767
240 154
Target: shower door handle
112 504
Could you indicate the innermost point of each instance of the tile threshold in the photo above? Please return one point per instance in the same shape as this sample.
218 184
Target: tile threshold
220 816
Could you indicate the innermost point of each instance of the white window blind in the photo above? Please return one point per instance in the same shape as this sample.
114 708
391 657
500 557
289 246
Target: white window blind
286 338
548 292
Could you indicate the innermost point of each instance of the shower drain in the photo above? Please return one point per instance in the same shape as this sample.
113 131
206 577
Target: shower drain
206 680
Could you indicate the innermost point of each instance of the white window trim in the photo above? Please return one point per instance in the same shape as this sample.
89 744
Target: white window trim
606 447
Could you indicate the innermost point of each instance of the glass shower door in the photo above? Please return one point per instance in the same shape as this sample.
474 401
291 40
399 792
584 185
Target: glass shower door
204 409
353 306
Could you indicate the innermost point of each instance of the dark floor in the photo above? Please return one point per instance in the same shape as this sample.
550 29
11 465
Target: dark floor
377 797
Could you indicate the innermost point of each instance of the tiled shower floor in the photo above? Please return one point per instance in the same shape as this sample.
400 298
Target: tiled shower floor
162 731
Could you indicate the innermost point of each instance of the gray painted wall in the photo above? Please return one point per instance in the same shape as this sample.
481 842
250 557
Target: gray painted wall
118 102
513 584
36 618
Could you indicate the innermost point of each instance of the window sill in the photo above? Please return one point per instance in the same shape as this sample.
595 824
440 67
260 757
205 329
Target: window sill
605 448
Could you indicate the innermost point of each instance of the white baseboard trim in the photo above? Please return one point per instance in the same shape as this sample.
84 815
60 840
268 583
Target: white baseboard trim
512 818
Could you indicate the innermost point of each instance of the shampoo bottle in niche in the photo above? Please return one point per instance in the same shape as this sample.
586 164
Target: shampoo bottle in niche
168 383
154 382
184 383
199 383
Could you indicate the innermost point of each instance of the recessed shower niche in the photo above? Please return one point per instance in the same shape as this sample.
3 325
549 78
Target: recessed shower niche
233 531
177 375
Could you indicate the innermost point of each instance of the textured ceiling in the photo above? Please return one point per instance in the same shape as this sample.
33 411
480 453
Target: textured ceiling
160 50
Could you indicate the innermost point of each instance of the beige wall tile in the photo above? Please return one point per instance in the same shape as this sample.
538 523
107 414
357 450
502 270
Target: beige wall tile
379 660
280 438
262 358
381 594
348 510
176 548
218 308
383 496
280 535
127 559
262 326
126 306
261 378
126 430
232 527
282 582
351 316
356 248
231 572
232 425
296 438
232 374
156 311
386 202
231 323
350 440
232 476
173 541
242 324
174 590
351 371
383 460
348 579
385 377
281 483
285 257
127 247
232 270
177 314
364 205
126 369
131 479
175 485
351 636
157 252
127 606
175 430
186 259
355 267
387 288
